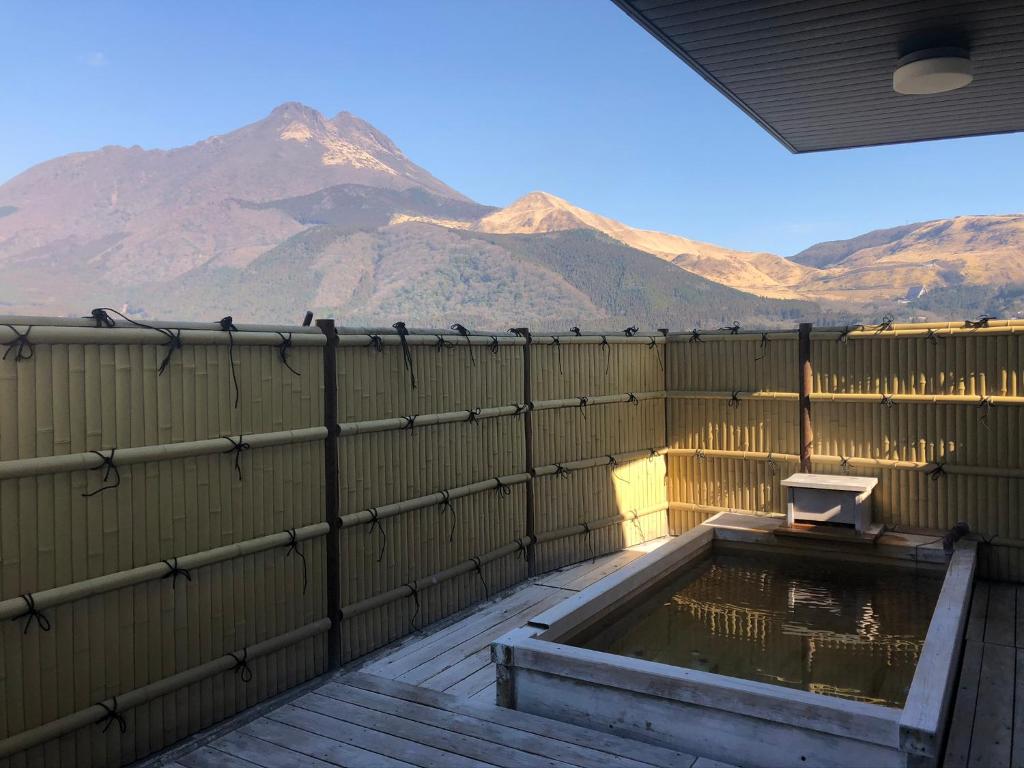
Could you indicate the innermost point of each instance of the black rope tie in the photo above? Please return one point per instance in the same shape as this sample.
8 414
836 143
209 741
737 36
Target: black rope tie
557 344
32 614
635 519
500 489
478 566
981 322
521 550
695 337
590 541
631 331
632 398
101 317
376 342
110 468
772 465
103 320
608 354
20 345
652 344
732 329
174 571
614 464
442 343
583 405
844 464
375 523
237 446
293 546
447 506
700 454
984 409
173 342
885 325
763 346
474 415
845 333
414 593
939 470
113 715
464 331
887 401
561 472
410 423
242 665
653 454
522 408
406 352
734 399
575 331
493 345
283 349
227 324
932 336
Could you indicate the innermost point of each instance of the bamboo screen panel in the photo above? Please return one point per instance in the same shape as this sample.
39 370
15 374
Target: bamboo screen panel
82 396
572 370
981 446
701 480
393 466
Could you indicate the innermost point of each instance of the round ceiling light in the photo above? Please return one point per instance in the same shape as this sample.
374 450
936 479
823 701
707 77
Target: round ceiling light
935 70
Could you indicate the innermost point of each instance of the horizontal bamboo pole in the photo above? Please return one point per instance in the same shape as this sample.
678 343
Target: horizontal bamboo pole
597 461
49 598
414 587
861 397
730 336
350 428
854 461
712 510
604 522
72 462
455 340
54 334
390 510
590 338
719 395
926 331
432 332
97 712
191 325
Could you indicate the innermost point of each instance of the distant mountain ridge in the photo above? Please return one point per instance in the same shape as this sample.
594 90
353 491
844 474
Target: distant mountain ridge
300 211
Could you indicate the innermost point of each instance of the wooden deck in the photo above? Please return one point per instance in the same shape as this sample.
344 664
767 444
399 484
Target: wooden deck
428 700
987 726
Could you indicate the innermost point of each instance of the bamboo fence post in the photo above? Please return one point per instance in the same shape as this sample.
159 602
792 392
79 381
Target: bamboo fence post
332 491
531 523
806 384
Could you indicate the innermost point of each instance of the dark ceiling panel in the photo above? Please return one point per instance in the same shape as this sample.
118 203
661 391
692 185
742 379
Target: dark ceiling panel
818 75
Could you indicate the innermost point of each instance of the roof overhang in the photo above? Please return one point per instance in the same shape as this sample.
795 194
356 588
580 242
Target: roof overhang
818 74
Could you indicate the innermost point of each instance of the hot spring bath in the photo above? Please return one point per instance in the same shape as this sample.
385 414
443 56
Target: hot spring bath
735 644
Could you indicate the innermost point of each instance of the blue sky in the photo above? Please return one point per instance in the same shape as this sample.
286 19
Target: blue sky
495 98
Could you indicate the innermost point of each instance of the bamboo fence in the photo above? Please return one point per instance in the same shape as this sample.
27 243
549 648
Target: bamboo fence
196 516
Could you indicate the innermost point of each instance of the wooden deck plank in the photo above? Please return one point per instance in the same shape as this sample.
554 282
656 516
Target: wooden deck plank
422 649
472 645
573 734
488 695
979 608
493 732
473 683
264 753
1001 620
602 569
992 739
208 757
572 573
318 746
445 740
364 736
455 674
958 744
